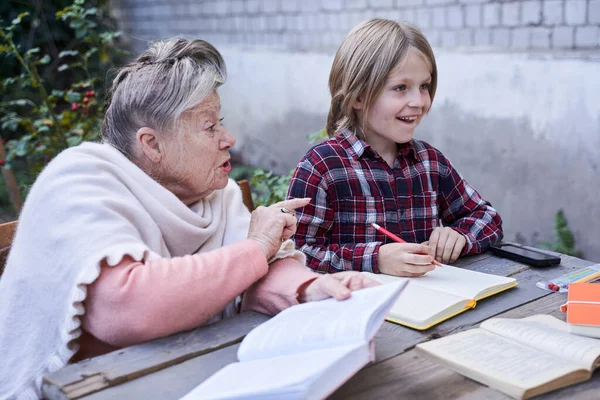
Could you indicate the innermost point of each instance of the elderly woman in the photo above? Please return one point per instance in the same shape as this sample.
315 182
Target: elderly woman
144 235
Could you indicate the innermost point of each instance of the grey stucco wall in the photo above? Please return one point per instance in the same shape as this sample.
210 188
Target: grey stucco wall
517 108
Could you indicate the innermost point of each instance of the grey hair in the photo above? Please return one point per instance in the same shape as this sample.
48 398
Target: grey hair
153 91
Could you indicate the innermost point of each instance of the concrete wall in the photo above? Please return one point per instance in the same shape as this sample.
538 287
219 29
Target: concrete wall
517 108
321 24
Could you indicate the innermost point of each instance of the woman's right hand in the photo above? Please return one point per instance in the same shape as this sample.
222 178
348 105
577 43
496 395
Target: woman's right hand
269 226
405 259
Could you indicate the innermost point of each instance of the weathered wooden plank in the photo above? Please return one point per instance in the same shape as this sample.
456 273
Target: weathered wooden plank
173 382
393 339
411 375
99 373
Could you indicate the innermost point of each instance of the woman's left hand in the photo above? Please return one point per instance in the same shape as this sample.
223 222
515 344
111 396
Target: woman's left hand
338 286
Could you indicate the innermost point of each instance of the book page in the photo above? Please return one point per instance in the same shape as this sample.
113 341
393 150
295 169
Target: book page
438 295
461 282
321 324
419 307
490 359
457 281
547 320
287 376
542 336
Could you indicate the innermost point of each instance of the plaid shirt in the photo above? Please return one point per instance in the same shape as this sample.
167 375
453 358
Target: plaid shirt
352 186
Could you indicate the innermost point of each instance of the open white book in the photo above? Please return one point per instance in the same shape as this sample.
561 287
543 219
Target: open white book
441 294
306 351
520 357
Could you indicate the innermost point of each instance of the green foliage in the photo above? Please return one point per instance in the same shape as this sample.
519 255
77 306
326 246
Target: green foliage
317 136
268 188
241 171
42 115
565 241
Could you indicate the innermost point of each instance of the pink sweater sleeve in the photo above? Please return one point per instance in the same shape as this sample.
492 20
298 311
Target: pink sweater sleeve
134 302
278 289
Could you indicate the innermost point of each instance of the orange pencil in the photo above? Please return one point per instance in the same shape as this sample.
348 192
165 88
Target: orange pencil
397 239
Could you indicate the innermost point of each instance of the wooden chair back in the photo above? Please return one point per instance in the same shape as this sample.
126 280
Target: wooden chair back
7 232
246 194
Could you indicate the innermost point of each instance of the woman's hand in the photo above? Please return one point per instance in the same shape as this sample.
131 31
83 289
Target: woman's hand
405 259
269 226
338 286
446 244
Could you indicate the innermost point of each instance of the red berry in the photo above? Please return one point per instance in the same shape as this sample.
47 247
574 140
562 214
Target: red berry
74 106
90 93
2 162
85 100
86 111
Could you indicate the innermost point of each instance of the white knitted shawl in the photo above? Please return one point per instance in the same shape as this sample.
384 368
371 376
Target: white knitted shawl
91 203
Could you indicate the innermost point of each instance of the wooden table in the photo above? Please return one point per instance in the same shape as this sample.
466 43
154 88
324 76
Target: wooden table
170 367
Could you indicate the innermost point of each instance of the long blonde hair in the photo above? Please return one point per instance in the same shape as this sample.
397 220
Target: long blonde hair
370 51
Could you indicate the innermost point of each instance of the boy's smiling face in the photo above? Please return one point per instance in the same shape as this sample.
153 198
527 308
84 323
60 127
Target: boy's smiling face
400 105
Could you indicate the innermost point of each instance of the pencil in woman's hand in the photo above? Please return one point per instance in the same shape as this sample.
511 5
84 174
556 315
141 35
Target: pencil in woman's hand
397 239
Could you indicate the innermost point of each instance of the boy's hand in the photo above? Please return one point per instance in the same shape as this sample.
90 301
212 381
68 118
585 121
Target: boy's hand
446 244
338 286
405 259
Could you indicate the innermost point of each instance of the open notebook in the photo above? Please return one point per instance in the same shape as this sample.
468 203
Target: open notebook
306 351
441 294
520 357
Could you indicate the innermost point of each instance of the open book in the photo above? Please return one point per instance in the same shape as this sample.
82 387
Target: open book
441 294
306 351
520 357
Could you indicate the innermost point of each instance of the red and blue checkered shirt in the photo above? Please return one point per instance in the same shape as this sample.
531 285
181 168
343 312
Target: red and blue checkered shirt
351 186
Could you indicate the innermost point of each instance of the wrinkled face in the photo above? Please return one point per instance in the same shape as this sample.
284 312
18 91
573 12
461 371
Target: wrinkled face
197 161
401 104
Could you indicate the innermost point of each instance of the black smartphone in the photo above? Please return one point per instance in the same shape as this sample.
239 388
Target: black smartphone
524 255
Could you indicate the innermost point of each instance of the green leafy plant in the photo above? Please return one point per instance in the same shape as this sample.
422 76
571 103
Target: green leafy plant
317 136
565 240
241 171
268 188
44 119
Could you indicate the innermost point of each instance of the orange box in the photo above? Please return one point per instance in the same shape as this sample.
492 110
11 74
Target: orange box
583 309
